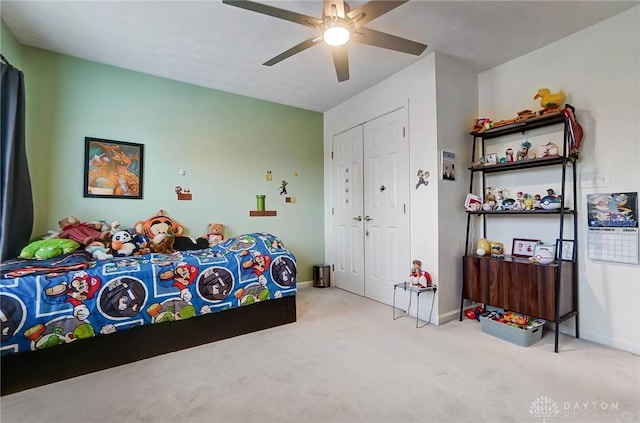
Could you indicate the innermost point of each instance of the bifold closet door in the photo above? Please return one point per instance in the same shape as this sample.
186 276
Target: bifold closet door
386 202
348 227
370 206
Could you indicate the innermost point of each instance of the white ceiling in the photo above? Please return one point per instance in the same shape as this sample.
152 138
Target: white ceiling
219 46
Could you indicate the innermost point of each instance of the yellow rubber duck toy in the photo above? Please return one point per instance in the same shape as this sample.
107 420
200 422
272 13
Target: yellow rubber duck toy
549 100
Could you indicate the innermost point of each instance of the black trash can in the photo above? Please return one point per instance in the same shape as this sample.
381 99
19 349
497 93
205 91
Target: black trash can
321 276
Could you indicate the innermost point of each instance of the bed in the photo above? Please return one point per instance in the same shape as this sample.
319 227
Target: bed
125 309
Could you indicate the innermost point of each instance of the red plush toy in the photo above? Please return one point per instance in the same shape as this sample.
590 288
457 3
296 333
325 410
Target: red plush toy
81 232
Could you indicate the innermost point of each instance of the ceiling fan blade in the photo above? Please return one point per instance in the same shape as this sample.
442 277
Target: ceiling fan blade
373 9
287 15
339 5
293 50
391 42
341 62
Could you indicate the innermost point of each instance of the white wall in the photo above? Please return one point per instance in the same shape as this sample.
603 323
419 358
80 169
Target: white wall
457 94
415 87
599 70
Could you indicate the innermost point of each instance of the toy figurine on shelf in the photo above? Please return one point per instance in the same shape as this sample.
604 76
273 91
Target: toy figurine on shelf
550 102
509 155
549 150
497 250
419 277
523 154
480 125
528 202
489 200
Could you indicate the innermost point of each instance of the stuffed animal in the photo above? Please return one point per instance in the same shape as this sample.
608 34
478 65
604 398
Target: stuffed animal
157 226
164 242
81 232
122 243
98 251
47 248
214 234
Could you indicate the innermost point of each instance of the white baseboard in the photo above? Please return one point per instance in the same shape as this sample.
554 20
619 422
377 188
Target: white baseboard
453 314
305 284
610 342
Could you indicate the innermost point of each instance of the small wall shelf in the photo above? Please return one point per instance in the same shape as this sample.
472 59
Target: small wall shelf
256 213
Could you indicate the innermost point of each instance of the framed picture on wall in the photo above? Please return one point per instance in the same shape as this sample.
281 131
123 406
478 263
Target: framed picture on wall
112 169
448 163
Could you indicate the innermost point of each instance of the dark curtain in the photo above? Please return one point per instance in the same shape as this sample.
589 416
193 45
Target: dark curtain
16 198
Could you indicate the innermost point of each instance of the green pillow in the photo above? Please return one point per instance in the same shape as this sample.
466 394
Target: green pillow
47 248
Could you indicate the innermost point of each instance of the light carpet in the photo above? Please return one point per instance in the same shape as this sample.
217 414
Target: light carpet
347 360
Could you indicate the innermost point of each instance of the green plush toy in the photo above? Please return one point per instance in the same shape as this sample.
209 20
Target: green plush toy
48 248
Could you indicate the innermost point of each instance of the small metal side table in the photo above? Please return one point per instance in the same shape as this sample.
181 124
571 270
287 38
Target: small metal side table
407 286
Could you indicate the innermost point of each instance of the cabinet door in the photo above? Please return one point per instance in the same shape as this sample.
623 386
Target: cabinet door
476 273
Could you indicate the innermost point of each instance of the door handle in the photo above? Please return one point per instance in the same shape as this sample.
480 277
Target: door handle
367 218
358 218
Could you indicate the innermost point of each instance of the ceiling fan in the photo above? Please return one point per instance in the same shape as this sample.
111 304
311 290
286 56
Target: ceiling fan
338 25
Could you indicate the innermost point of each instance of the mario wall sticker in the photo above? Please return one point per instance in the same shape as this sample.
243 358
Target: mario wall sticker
422 178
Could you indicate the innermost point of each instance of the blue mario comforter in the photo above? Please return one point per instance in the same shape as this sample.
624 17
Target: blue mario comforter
50 308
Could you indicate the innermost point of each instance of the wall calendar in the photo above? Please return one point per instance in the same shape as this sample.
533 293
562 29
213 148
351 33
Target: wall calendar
613 227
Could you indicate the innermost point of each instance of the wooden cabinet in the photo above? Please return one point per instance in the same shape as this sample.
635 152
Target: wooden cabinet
514 283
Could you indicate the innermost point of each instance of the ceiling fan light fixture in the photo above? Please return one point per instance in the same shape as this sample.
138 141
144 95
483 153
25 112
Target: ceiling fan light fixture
336 34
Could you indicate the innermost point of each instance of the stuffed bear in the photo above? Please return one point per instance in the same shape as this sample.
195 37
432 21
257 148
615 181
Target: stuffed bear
98 251
81 232
48 248
214 235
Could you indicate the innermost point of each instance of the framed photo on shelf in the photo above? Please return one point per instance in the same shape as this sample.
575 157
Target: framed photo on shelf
566 251
522 247
492 158
112 169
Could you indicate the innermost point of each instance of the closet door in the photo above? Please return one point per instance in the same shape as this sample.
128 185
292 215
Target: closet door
386 196
348 223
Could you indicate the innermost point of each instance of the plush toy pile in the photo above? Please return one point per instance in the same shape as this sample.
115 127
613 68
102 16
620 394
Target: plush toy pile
157 234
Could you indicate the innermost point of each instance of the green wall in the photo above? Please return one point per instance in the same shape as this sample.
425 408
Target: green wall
224 142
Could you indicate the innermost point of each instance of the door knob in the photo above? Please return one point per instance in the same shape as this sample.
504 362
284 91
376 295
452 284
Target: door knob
358 218
367 218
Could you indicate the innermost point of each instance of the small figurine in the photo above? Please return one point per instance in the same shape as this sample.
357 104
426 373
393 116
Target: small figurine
550 150
528 202
536 201
509 155
497 250
490 200
519 204
481 125
419 277
524 150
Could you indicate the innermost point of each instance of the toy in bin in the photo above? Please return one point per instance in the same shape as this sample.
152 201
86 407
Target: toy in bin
419 277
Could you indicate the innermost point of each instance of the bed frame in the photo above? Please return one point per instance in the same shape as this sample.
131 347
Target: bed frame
35 368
